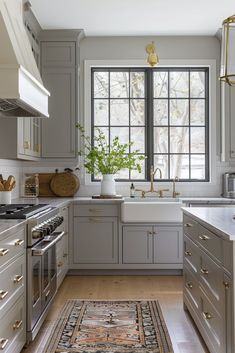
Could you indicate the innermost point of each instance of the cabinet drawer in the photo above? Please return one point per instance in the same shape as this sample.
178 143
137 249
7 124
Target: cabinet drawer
191 255
191 289
12 245
214 325
11 282
211 279
210 242
12 330
190 227
94 210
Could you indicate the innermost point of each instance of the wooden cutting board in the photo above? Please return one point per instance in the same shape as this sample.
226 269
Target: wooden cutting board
44 184
64 184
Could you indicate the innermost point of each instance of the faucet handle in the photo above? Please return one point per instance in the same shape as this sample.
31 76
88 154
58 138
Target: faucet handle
161 192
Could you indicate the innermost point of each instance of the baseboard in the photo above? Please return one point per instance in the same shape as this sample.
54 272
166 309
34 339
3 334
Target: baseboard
125 272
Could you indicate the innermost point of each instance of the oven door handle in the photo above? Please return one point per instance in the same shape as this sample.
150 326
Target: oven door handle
41 251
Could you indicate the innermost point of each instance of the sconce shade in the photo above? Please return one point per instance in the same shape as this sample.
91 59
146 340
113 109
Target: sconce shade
227 73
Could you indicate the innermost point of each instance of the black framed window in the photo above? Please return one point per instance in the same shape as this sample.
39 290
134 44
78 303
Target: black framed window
164 111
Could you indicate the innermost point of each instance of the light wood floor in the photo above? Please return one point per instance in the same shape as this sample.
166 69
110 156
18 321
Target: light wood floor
167 289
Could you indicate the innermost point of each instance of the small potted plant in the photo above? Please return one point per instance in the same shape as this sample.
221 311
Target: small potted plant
100 157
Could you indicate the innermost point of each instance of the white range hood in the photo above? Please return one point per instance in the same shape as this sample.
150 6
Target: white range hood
22 93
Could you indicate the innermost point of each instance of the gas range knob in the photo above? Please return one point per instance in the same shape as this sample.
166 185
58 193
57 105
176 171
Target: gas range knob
37 233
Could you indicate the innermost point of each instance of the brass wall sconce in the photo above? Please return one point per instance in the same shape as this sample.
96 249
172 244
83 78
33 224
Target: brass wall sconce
227 72
152 55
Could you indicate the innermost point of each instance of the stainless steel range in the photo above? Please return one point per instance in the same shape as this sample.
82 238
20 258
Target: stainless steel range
42 222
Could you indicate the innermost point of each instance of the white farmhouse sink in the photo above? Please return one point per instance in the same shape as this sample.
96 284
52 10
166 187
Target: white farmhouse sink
156 210
151 199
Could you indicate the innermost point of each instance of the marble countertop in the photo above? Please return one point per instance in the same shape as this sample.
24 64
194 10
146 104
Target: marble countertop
219 219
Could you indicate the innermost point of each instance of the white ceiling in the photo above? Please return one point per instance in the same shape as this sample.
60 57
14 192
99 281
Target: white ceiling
134 17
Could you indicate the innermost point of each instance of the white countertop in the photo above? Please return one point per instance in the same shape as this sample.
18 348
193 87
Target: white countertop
7 224
217 218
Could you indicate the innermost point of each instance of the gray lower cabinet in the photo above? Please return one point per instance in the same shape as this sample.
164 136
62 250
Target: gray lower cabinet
208 288
152 245
137 245
95 240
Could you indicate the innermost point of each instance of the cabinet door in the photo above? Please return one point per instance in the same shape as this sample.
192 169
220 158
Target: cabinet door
58 132
95 240
232 122
137 244
168 245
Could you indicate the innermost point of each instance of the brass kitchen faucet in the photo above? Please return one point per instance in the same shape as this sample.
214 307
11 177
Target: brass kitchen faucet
152 190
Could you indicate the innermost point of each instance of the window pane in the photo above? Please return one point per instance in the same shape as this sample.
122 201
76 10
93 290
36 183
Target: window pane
179 111
197 84
197 107
179 139
105 131
122 174
119 84
138 137
179 84
121 132
160 112
137 84
162 163
101 84
160 140
136 175
179 166
197 140
119 112
160 84
198 167
137 110
101 112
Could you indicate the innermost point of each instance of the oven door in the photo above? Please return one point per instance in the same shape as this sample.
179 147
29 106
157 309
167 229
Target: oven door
41 278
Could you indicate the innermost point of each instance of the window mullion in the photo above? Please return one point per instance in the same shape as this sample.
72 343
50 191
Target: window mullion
149 120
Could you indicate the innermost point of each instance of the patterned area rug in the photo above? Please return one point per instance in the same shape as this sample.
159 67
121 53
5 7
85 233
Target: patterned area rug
110 327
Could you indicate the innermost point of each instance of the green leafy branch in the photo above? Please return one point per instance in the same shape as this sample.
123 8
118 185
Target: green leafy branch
104 158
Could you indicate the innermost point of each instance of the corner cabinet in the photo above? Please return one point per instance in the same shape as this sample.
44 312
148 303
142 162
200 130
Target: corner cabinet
59 50
208 286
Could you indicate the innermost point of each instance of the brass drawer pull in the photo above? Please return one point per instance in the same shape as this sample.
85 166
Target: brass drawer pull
188 225
60 264
187 253
4 252
3 294
3 343
204 237
95 210
95 220
17 325
19 242
207 316
18 279
65 255
26 145
149 233
189 285
204 271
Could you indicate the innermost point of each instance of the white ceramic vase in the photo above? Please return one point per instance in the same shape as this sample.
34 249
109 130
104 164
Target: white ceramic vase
108 185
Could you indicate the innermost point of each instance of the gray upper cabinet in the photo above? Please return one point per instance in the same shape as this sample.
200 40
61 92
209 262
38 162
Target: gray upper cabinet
168 245
137 245
59 69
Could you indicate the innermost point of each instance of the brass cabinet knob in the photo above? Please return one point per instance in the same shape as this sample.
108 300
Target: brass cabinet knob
3 294
26 145
207 315
226 284
204 271
18 279
189 285
60 264
3 343
4 252
17 324
19 242
204 237
188 225
187 253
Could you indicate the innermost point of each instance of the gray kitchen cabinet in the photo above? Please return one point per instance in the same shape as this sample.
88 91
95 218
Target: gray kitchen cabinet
152 244
227 122
137 245
95 240
208 288
168 244
59 50
62 251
